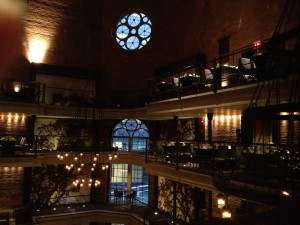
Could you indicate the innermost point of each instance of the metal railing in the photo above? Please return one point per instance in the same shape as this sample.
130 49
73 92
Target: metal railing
265 60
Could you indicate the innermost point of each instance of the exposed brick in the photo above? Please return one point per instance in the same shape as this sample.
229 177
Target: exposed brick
11 186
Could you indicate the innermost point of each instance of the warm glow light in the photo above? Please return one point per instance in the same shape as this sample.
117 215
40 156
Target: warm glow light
284 113
23 118
222 118
17 86
9 118
13 118
16 119
37 50
221 203
224 83
226 214
285 193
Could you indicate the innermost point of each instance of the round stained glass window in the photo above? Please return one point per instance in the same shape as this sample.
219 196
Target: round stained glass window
133 31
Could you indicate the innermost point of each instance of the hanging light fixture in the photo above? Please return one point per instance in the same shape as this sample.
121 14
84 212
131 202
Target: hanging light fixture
82 166
77 163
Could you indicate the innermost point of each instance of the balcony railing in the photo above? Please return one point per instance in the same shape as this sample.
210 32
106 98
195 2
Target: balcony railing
20 91
265 167
266 60
213 156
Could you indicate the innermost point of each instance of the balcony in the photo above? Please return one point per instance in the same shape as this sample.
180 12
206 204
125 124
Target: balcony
264 73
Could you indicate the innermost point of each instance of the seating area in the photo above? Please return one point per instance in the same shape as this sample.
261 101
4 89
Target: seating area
218 157
121 196
241 67
208 79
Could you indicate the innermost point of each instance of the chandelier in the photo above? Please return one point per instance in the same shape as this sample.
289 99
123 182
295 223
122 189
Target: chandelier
83 165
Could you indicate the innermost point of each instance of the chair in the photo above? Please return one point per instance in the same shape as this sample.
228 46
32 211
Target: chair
209 78
118 194
175 82
246 70
131 196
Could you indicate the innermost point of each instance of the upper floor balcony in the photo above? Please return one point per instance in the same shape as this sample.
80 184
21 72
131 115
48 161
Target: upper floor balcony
260 74
265 73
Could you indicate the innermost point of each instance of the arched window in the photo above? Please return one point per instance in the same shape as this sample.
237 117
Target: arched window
130 135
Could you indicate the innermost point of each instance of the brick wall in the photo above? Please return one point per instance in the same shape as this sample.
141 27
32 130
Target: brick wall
224 127
79 34
11 186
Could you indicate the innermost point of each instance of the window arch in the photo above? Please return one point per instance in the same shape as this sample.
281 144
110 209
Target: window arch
130 135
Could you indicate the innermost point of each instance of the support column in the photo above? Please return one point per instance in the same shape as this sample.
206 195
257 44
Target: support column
247 130
30 129
209 117
199 129
27 185
199 204
276 130
129 169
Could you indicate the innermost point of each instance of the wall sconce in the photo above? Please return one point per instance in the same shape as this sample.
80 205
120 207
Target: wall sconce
226 212
221 200
37 50
17 86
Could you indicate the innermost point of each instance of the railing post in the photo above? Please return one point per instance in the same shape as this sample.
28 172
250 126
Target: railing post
177 140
